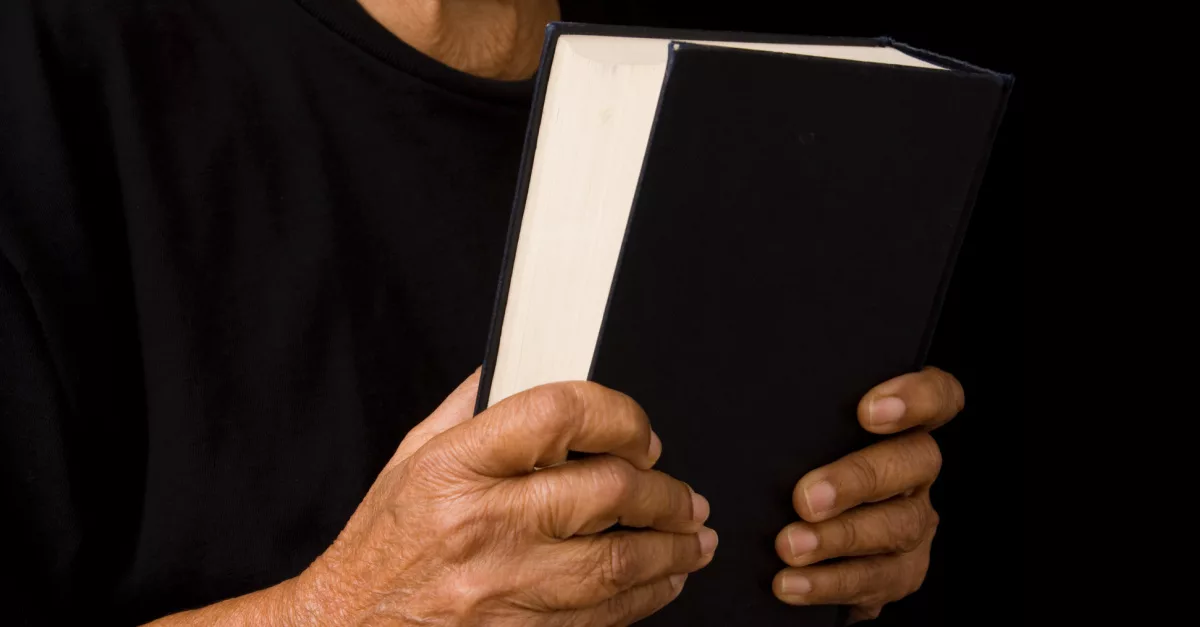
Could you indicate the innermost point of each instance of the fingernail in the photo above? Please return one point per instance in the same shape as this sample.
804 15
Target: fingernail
700 508
655 447
801 541
708 541
796 584
820 497
677 580
885 411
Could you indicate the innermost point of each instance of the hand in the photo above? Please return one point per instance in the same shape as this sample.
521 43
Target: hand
872 505
460 529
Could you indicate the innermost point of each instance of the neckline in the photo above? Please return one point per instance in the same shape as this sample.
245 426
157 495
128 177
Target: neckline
350 21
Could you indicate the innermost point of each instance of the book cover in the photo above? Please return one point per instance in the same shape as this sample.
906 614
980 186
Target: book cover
794 228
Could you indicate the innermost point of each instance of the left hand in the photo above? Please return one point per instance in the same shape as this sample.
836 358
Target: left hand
872 505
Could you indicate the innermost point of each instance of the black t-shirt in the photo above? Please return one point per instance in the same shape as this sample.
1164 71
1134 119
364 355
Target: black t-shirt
245 247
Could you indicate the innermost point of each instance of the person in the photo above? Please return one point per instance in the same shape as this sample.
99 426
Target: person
247 248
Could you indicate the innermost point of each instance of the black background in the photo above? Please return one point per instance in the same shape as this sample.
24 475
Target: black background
976 568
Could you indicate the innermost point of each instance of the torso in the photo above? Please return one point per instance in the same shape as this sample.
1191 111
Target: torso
314 217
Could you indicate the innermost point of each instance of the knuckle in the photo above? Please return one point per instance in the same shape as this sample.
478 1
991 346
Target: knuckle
462 535
616 482
580 394
910 526
927 451
864 472
549 402
913 541
536 502
849 584
629 415
465 597
950 391
428 464
936 457
619 567
848 536
450 520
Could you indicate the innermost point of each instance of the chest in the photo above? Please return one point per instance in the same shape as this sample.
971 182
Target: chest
273 220
313 266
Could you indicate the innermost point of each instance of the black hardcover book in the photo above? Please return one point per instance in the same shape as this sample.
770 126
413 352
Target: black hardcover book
744 234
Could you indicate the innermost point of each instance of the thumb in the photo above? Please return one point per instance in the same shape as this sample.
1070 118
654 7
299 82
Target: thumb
456 409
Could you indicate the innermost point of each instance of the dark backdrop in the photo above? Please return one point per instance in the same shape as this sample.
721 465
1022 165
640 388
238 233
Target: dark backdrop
975 573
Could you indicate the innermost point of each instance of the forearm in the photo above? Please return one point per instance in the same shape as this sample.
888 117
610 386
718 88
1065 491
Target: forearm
270 606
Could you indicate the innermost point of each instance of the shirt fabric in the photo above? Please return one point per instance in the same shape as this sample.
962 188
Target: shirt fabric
244 248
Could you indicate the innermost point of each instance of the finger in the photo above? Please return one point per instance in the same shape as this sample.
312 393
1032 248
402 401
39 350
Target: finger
592 494
865 581
630 606
899 465
457 408
537 428
893 526
929 398
585 571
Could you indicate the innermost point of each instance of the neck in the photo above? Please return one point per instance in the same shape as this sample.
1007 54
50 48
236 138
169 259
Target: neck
498 39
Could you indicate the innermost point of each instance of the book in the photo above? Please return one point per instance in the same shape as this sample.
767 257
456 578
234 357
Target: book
744 233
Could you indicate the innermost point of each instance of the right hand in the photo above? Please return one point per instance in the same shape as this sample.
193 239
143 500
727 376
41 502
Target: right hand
478 521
